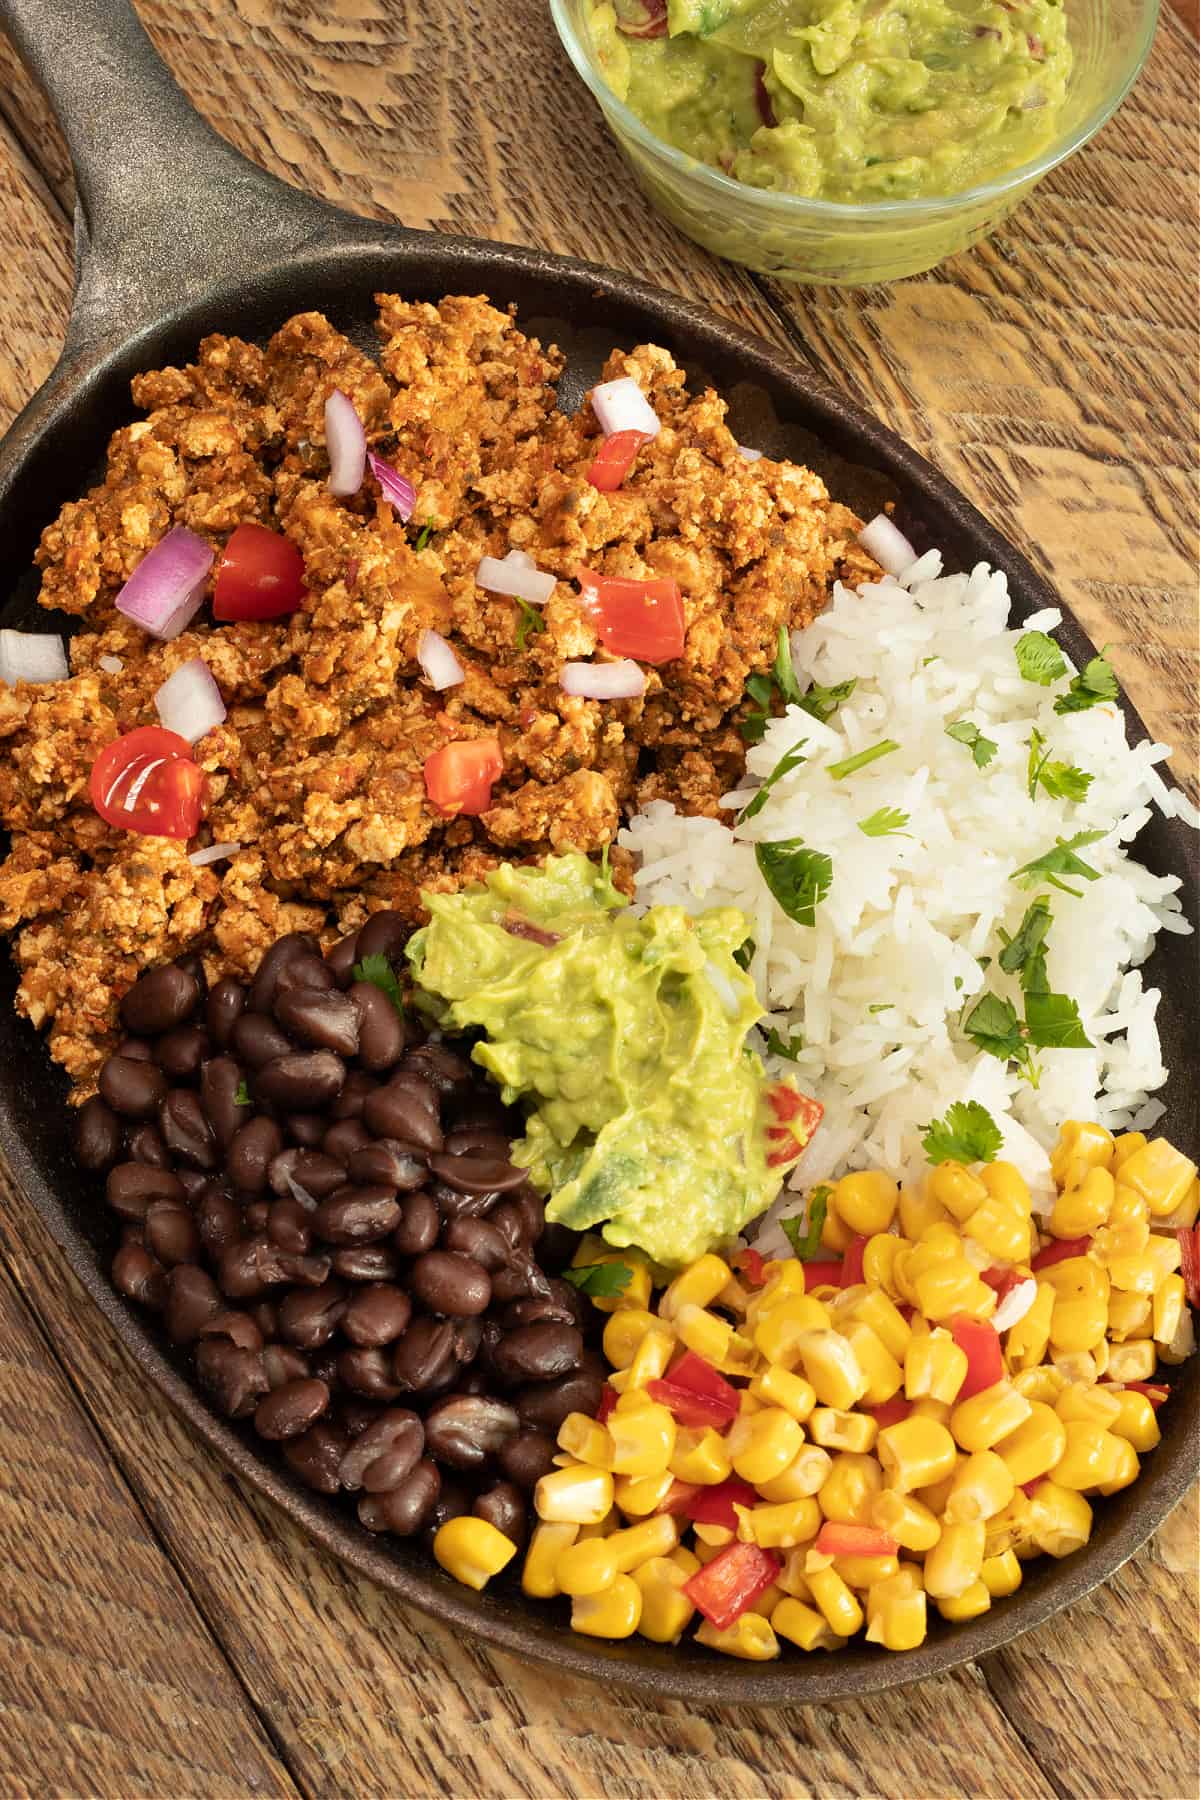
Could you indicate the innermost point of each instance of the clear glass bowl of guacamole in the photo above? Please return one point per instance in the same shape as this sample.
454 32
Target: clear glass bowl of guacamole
844 119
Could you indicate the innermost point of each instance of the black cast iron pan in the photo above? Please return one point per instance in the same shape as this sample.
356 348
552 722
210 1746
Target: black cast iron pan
177 235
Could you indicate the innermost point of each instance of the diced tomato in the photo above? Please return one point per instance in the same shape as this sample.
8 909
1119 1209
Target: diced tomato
797 1118
835 1539
980 1341
852 1262
678 1497
1189 1267
750 1265
1003 1281
459 776
608 1399
1154 1391
694 1371
714 1505
1031 1487
260 576
692 1409
891 1412
147 781
615 459
642 619
822 1274
1059 1251
731 1582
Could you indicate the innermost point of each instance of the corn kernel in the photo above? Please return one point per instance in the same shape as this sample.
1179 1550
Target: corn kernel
750 1637
849 1488
1161 1174
836 1235
1123 1467
716 1537
910 1522
703 1332
950 1287
623 1332
635 1295
574 1496
1098 1405
1182 1345
1124 1147
1081 1146
955 1188
936 1495
600 1528
684 1559
832 1597
1129 1316
643 1442
639 1495
538 1577
766 1602
762 1446
615 1612
968 1605
803 1626
1060 1519
862 1572
666 1610
1090 1456
1005 1182
651 1357
587 1567
636 1544
1035 1445
1169 1300
697 1285
955 1560
778 1331
779 1527
791 1577
1025 1345
898 1621
1000 1230
882 1373
874 1309
988 1416
632 1400
1132 1362
1135 1420
919 1208
586 1441
932 1409
982 1486
775 1386
831 1367
1001 1575
806 1473
866 1201
934 1366
1079 1210
786 1283
835 1430
1045 1383
473 1550
879 1254
915 1452
748 1403
1141 1274
700 1456
1008 1530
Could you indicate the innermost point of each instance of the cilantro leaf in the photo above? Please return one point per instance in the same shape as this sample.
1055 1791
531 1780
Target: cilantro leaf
965 731
967 1134
529 623
1053 1023
378 970
743 956
1062 860
783 670
799 878
1061 780
1094 684
778 1045
426 532
822 702
601 1280
1024 953
753 727
889 821
241 1095
993 1026
806 1242
850 765
1039 658
791 759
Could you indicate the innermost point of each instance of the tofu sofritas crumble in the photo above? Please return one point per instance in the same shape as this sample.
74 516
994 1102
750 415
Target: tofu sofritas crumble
317 770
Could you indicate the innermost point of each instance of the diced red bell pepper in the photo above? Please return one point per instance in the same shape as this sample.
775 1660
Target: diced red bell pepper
852 1262
678 1498
980 1341
608 1399
1059 1251
714 1505
694 1371
751 1267
1002 1281
1154 1391
731 1582
891 1412
642 619
822 1274
691 1409
615 459
835 1539
1189 1267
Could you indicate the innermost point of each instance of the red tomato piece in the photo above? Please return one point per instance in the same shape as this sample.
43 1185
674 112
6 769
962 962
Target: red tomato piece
260 576
980 1342
642 619
1003 1281
797 1118
696 1372
615 458
852 1262
1059 1251
714 1505
608 1400
692 1409
459 776
147 781
731 1582
891 1412
826 1273
1189 1267
836 1539
751 1266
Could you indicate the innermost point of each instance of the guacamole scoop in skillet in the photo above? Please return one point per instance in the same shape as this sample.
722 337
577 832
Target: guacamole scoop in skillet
845 100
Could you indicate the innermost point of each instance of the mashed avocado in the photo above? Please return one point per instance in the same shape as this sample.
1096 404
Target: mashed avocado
626 1036
843 99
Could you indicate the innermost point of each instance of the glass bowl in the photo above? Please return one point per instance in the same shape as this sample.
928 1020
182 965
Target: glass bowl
830 242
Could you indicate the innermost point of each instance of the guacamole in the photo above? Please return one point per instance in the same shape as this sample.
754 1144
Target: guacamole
625 1035
847 100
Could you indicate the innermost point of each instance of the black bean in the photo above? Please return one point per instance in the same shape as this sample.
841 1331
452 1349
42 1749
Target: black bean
97 1136
325 1020
344 1138
356 1414
544 1405
445 1071
351 1102
132 1088
302 1079
192 1300
307 1271
527 1457
532 1208
266 980
303 971
171 1232
192 1181
478 1141
238 1328
406 1109
240 1274
266 1317
340 960
254 1147
315 1456
235 1378
182 1051
383 934
159 1000
504 1507
306 1129
537 1312
447 1282
193 965
389 1164
376 1315
380 1027
368 1371
477 1239
520 1279
291 1409
144 1144
316 1173
137 1049
542 1352
308 1317
289 1226
256 1214
186 1130
477 1174
221 1081
419 1224
284 1363
257 1040
138 1276
357 1215
223 1008
424 1357
132 1186
218 1219
454 1204
453 1502
395 1439
556 1246
366 1262
468 1336
463 1430
404 1508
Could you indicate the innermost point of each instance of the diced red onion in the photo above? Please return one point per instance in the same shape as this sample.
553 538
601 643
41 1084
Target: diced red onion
346 442
622 406
398 490
622 680
750 455
438 661
199 859
189 701
112 665
888 545
32 656
166 589
515 574
1015 1304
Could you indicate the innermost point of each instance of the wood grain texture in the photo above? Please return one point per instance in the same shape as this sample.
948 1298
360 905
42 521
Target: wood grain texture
1048 375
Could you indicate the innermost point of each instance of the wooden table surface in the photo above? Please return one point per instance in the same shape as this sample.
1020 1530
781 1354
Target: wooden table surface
163 1632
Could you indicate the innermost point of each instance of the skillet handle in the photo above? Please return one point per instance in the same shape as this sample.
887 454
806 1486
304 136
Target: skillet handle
164 205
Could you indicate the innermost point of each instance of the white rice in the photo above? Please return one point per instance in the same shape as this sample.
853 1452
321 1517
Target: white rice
908 917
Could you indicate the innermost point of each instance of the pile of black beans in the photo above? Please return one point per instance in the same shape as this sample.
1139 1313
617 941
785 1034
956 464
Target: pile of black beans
317 1198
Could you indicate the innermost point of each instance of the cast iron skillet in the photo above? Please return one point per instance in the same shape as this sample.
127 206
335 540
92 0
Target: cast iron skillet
177 235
